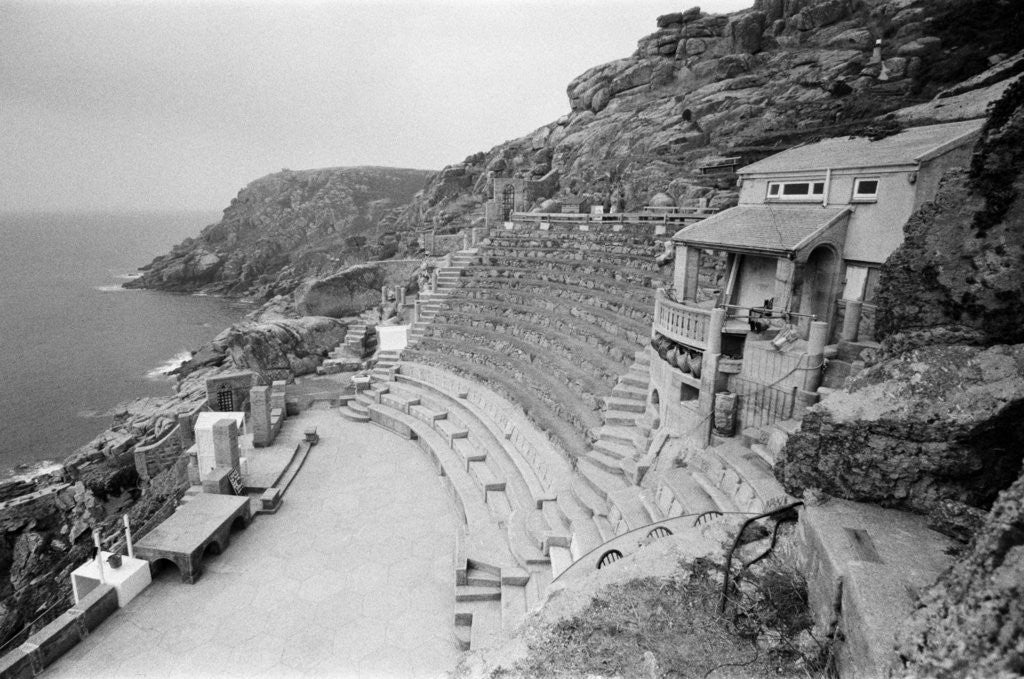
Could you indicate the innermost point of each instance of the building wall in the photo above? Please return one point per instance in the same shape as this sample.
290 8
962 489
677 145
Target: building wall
756 281
932 171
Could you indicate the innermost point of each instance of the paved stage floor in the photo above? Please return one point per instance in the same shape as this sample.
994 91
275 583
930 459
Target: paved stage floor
352 577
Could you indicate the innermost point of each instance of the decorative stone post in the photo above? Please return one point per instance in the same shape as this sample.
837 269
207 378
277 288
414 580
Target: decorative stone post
383 295
465 239
715 331
416 311
685 272
259 403
401 296
815 358
185 434
785 273
851 321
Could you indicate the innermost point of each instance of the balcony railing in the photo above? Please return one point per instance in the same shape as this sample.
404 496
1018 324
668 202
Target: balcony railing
684 324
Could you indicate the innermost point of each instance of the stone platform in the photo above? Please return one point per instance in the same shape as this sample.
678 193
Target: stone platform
205 521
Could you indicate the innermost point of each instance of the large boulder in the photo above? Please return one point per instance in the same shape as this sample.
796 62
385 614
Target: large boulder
343 294
933 425
298 344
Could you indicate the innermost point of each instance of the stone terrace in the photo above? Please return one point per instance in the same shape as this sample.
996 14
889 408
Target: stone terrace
550 319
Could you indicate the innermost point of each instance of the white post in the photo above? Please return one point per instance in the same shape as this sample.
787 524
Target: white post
99 556
128 537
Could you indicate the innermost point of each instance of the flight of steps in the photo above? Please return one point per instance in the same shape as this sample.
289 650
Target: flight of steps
385 366
354 407
360 342
626 432
447 281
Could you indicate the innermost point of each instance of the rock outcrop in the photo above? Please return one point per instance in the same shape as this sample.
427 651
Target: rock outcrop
971 624
289 225
914 431
747 84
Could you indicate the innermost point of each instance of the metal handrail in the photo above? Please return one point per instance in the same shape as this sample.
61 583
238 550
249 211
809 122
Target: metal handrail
605 545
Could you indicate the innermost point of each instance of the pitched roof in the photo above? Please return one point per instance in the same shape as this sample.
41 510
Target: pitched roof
773 229
906 148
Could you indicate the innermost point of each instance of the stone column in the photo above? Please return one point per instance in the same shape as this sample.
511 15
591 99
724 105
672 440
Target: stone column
685 271
785 275
815 355
715 331
851 320
259 403
401 295
185 433
433 280
225 443
416 311
383 295
465 239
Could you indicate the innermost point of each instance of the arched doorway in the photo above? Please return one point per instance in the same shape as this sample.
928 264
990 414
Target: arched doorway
508 201
819 283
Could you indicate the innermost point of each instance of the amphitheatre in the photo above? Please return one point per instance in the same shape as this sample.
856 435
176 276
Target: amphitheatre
567 395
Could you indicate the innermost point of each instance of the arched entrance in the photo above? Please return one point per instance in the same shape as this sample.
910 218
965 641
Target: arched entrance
508 201
819 283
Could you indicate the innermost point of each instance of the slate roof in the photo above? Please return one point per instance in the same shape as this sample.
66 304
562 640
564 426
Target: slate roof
906 148
775 229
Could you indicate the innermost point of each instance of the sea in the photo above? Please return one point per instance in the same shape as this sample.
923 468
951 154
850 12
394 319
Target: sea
73 342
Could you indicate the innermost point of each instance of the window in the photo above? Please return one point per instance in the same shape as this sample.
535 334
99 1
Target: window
865 189
796 190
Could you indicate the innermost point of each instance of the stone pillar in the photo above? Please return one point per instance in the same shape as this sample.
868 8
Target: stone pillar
433 280
383 295
401 295
475 235
259 403
851 321
815 355
785 275
715 331
185 433
416 311
225 443
685 271
277 395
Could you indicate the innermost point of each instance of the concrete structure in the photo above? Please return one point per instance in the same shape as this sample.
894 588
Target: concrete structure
206 521
217 444
128 580
760 290
230 392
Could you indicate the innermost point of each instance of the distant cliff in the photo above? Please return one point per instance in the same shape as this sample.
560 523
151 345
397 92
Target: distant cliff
289 225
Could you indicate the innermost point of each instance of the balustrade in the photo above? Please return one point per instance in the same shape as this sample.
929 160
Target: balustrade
680 323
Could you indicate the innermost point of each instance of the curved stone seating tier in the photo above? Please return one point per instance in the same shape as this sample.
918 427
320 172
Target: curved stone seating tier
515 275
529 447
628 309
625 506
570 235
485 538
679 493
575 342
516 382
570 267
581 322
640 262
568 388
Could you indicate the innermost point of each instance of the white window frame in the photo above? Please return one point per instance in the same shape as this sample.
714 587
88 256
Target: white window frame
859 196
815 191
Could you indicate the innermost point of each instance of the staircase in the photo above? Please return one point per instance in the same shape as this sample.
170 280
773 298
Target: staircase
625 435
447 281
360 342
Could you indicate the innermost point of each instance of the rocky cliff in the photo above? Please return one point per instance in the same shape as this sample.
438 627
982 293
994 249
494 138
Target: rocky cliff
289 225
747 84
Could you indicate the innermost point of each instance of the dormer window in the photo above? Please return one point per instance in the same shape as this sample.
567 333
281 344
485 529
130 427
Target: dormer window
865 188
796 191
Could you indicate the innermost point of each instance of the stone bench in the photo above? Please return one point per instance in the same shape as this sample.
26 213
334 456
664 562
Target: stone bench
270 500
608 280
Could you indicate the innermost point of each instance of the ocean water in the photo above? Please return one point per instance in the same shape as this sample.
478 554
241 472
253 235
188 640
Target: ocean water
73 343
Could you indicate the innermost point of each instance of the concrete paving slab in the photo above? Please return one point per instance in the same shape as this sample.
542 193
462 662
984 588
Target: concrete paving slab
307 591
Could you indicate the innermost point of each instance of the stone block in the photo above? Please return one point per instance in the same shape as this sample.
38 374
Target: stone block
225 444
16 664
259 405
217 481
270 500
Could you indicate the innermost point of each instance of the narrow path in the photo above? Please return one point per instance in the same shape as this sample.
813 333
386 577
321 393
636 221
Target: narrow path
352 577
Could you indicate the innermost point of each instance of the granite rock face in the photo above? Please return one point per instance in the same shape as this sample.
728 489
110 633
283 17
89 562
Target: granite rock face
933 425
971 624
289 225
959 276
749 84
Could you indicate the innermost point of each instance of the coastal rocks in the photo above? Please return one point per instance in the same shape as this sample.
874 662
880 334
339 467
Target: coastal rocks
297 345
973 617
936 424
343 294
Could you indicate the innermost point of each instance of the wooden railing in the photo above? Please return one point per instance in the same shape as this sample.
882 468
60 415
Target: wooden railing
680 216
683 324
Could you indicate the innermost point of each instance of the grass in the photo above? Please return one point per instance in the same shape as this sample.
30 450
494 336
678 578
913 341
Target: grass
671 628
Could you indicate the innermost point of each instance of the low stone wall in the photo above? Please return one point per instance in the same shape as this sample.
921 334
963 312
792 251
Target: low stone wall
50 643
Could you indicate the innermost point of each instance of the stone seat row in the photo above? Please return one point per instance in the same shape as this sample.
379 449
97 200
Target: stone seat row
642 261
566 319
570 269
574 342
571 237
576 280
631 308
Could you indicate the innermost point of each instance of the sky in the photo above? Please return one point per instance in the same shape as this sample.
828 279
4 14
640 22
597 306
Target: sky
178 105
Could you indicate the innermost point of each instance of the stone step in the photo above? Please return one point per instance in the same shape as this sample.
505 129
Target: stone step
779 434
468 451
636 380
523 542
626 435
621 419
513 609
721 499
481 623
615 404
497 502
608 463
677 487
348 413
472 593
619 451
630 392
429 415
555 517
602 482
451 429
763 452
485 476
643 357
476 577
589 500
